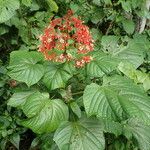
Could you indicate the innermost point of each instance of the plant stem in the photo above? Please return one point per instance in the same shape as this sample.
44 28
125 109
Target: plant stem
77 93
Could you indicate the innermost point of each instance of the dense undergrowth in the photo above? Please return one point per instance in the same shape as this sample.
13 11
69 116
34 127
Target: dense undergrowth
50 105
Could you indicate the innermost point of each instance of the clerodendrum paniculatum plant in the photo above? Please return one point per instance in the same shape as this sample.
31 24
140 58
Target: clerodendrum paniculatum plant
84 96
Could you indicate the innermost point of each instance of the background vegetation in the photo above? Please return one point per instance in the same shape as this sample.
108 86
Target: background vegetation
120 72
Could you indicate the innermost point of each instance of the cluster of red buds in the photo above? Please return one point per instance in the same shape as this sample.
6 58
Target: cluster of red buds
67 39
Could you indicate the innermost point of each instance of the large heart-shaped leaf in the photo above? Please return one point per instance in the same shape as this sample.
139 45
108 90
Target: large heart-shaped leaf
44 115
24 67
97 102
85 134
7 9
118 96
56 76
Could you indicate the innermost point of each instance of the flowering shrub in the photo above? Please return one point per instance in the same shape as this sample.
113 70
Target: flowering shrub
67 39
104 105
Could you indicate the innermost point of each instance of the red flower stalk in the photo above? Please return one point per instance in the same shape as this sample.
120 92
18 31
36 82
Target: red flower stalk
67 39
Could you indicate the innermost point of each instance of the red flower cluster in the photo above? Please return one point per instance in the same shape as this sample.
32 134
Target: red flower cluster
67 39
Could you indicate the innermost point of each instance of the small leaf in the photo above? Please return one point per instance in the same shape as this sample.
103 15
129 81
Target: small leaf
56 76
7 9
35 143
76 109
24 67
96 34
97 2
128 26
110 42
120 145
97 16
138 76
74 7
3 30
108 2
27 2
85 134
110 126
3 144
53 6
126 5
15 140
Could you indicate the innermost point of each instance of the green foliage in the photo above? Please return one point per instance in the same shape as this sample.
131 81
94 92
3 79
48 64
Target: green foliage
116 99
102 64
84 134
139 131
44 115
137 75
105 105
7 9
55 76
24 67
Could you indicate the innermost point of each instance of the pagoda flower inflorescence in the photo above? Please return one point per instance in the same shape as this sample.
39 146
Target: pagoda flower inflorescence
67 39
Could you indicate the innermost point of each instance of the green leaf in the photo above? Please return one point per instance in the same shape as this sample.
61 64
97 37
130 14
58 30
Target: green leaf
130 50
4 30
33 104
102 64
47 142
96 34
136 75
7 9
110 42
24 67
18 99
108 2
97 2
35 142
44 115
126 5
136 3
3 144
119 144
139 131
118 96
56 76
128 26
15 140
27 2
69 67
53 6
74 7
96 16
76 109
85 134
96 102
110 126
